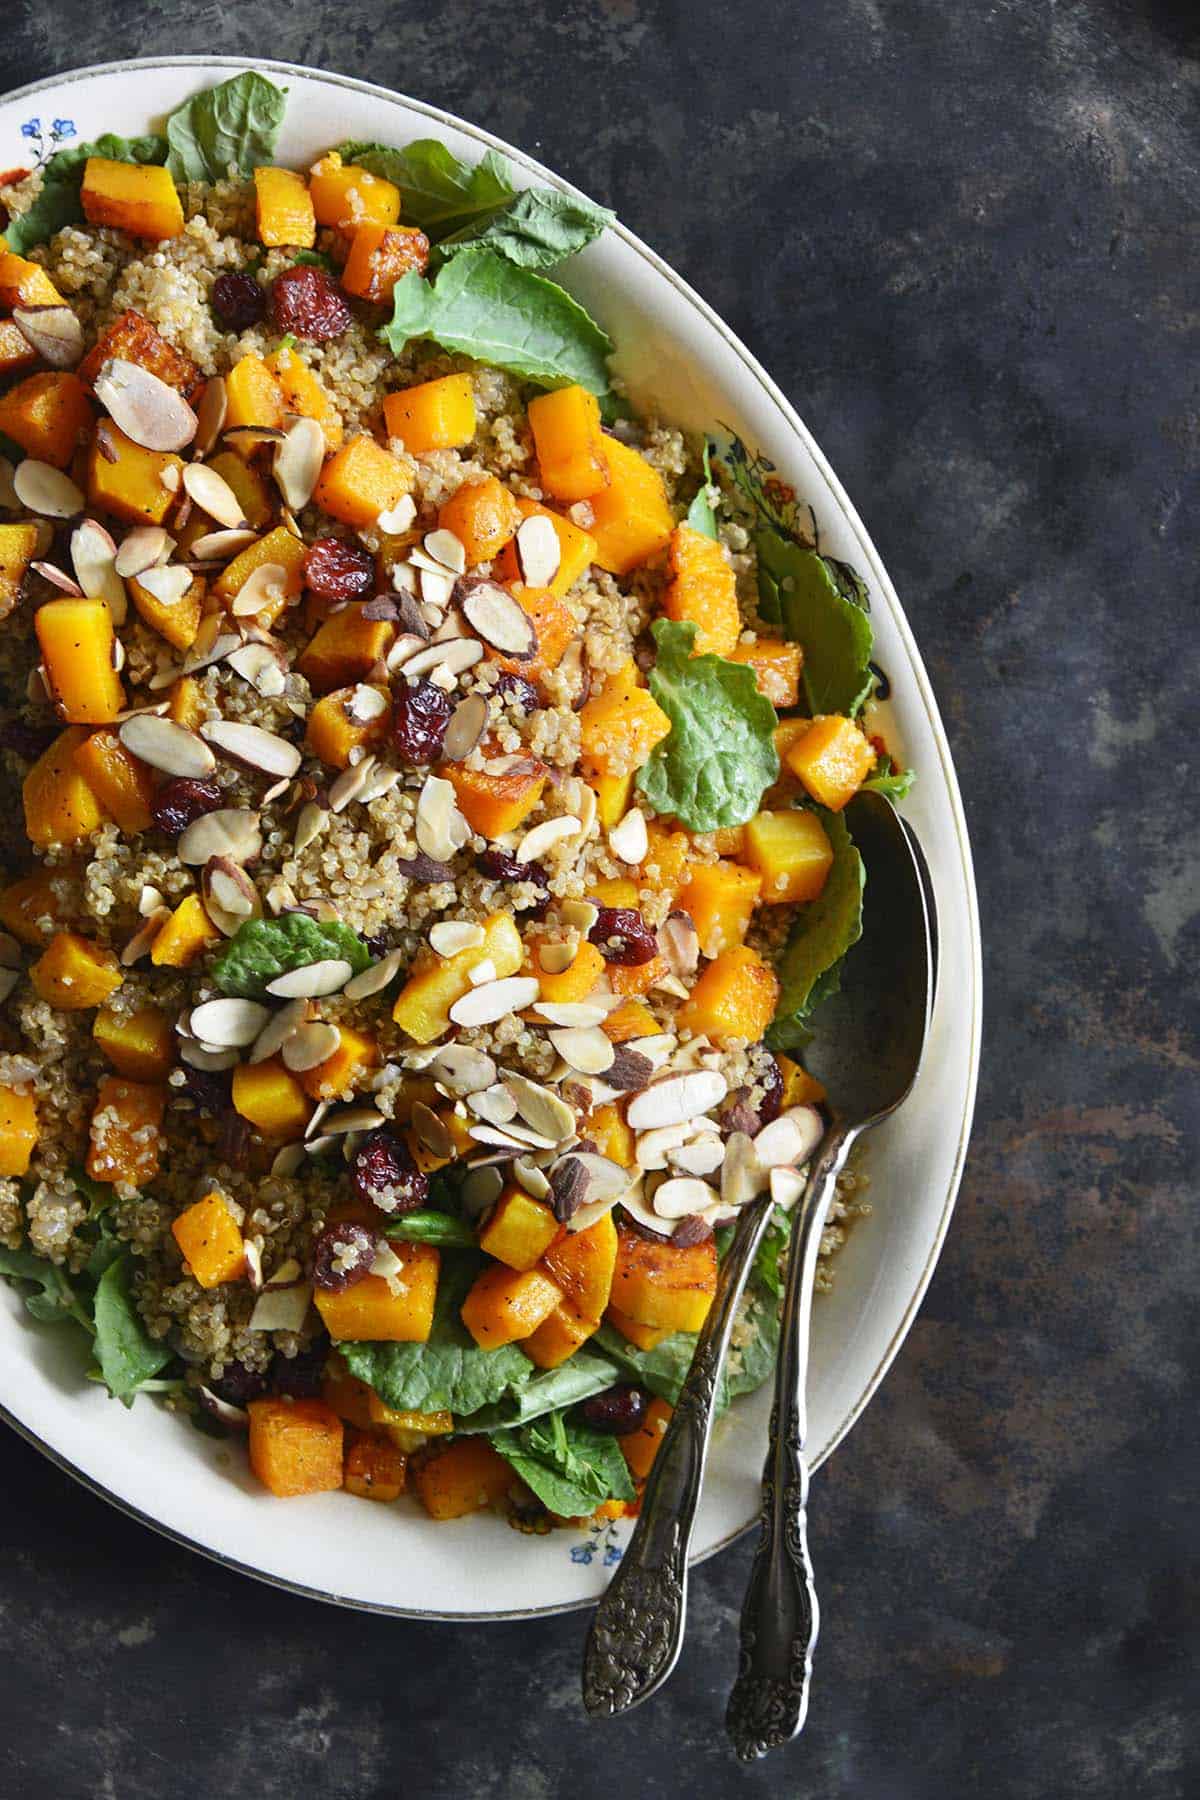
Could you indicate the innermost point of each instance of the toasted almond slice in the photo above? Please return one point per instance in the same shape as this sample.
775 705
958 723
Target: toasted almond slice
211 1061
584 1047
542 837
144 937
230 897
229 831
456 657
326 976
266 584
53 331
538 551
440 827
310 1045
495 1104
278 1029
790 1139
680 944
580 915
288 1160
397 520
228 1023
297 461
148 410
582 1178
635 1205
167 746
43 489
499 620
219 546
449 936
437 586
57 578
213 495
629 839
555 956
481 972
701 1155
531 1178
351 1118
366 703
544 1111
682 1195
251 745
675 1098
494 1000
281 1308
262 667
309 826
249 437
376 978
433 1132
349 784
141 548
742 1174
447 549
211 415
466 727
572 1013
653 1147
167 582
462 1070
406 645
94 558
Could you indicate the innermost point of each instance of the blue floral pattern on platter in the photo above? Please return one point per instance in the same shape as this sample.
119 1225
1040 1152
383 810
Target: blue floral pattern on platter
48 138
603 1541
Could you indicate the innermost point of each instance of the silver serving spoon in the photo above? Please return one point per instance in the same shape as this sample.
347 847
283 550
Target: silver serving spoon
867 1053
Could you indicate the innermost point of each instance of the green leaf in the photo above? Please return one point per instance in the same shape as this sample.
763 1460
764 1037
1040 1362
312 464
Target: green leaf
801 591
822 933
549 1390
662 1369
767 1272
538 229
751 1360
570 1468
438 192
128 1356
893 783
51 1297
237 122
428 1227
720 756
484 307
700 514
309 259
58 203
261 949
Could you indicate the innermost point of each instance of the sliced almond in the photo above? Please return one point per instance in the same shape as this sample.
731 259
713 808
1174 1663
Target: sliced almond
167 582
251 745
213 495
742 1175
701 1155
580 915
94 559
495 1000
309 826
405 646
398 519
653 1147
555 956
495 1104
635 1205
538 551
584 1047
461 1070
153 414
449 936
229 831
446 548
675 1098
437 586
349 784
787 1186
790 1139
536 842
281 1308
229 895
143 939
297 461
167 746
540 1108
261 666
249 437
310 1045
228 1023
680 944
43 489
313 980
581 1178
376 978
440 827
531 1178
57 578
344 1119
499 620
571 1013
681 1196
267 584
278 1029
211 1061
211 415
482 971
53 331
456 657
141 548
433 1132
629 839
288 1160
219 546
466 727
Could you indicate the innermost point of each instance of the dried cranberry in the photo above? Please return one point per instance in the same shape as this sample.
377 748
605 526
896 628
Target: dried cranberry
384 1174
301 1376
739 1115
335 570
623 937
376 942
209 1089
182 800
305 300
238 301
518 692
342 1256
769 1077
502 867
617 1411
239 1384
420 715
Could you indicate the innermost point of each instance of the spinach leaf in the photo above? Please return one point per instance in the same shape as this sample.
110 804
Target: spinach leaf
810 597
767 1272
720 754
438 192
483 306
662 1369
127 1354
47 1291
536 230
429 1227
751 1359
261 949
237 122
823 932
59 204
891 781
583 1374
700 514
570 1468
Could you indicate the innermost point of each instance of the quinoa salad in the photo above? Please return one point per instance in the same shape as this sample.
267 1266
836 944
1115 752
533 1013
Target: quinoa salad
423 832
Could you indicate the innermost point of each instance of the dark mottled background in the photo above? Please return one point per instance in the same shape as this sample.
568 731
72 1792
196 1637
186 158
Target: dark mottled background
965 239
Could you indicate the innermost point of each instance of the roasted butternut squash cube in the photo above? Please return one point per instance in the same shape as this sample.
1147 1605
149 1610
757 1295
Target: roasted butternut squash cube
74 974
16 352
18 1130
283 209
555 626
177 621
138 198
134 339
620 725
669 855
720 899
631 517
575 982
185 936
576 549
702 589
640 1447
249 486
25 283
519 1229
792 853
271 1098
375 1468
582 1264
18 547
506 1304
210 1240
127 481
76 639
303 393
360 481
123 785
493 804
832 760
569 442
31 906
559 1336
735 997
187 705
125 1131
730 840
346 648
279 547
343 195
371 1311
423 1005
379 256
139 1044
346 1395
614 890
408 1430
295 1446
433 415
611 1135
332 730
467 1476
632 1019
48 414
799 1087
776 666
664 1284
253 397
345 1069
637 978
646 1337
483 515
613 793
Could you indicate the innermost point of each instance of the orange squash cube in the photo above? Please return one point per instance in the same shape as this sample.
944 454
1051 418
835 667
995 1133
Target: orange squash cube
663 1284
127 481
611 1135
646 1337
702 589
371 1311
48 414
575 982
16 352
408 1430
271 1098
211 1242
506 1304
613 794
249 487
640 1447
187 704
18 1130
495 803
665 865
467 1476
346 1395
18 547
379 256
433 415
555 626
139 1044
632 1019
735 997
577 549
569 442
125 1131
483 515
25 283
295 1446
304 394
75 974
278 547
76 639
177 621
253 397
33 902
799 1087
123 785
60 807
559 1336
639 978
360 481
631 517
138 198
614 890
344 1070
423 1004
343 195
776 666
332 731
375 1468
832 760
134 339
185 936
620 725
284 209
346 648
582 1264
792 853
720 899
519 1229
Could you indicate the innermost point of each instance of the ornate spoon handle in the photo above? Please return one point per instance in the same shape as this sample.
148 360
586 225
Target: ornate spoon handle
637 1632
780 1615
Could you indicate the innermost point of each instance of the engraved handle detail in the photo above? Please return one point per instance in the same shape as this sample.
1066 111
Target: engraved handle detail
780 1615
637 1632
